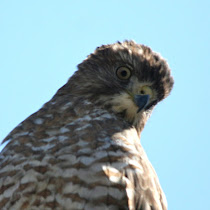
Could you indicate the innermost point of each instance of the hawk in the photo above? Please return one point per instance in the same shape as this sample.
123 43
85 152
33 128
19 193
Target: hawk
82 149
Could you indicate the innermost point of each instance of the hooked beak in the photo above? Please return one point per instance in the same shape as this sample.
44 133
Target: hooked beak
141 101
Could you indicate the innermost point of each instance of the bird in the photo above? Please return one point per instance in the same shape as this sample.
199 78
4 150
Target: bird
82 148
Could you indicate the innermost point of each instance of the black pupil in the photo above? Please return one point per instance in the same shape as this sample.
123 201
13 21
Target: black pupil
123 73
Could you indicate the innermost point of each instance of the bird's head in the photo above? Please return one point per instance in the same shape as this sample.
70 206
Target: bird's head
126 78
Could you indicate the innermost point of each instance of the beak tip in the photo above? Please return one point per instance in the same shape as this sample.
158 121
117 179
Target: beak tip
141 101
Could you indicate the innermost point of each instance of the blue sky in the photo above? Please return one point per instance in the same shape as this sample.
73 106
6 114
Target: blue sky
41 43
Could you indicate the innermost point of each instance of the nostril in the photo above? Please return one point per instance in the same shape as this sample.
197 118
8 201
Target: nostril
142 92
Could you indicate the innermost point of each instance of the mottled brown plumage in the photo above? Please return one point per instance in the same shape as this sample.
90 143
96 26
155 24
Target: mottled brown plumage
81 150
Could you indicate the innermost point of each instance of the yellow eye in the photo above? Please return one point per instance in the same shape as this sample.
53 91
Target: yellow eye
146 90
123 73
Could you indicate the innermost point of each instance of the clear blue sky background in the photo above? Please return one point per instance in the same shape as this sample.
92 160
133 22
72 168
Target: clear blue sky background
41 43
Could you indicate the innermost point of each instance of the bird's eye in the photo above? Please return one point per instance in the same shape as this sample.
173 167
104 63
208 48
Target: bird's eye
123 73
146 90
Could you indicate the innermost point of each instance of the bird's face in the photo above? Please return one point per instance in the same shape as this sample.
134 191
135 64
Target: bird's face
135 99
140 93
126 78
